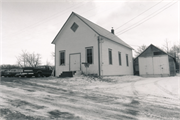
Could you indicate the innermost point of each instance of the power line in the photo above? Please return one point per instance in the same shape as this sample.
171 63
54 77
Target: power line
46 19
146 19
140 14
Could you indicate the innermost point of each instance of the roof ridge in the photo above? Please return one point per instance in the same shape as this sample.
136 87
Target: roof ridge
155 47
93 23
108 35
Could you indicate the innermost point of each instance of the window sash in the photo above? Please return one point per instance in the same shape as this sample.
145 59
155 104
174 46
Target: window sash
119 55
110 56
62 58
127 62
89 55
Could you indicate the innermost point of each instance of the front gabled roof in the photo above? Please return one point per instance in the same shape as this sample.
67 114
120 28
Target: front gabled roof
99 30
155 47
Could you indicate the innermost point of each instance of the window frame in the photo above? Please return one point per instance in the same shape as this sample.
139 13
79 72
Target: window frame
127 60
73 27
110 57
120 58
92 54
157 53
62 51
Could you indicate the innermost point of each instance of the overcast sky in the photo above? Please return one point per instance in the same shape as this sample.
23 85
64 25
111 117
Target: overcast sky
31 25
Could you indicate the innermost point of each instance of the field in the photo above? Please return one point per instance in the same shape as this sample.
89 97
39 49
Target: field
90 98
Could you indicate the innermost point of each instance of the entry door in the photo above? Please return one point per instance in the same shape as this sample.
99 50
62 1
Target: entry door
75 62
145 66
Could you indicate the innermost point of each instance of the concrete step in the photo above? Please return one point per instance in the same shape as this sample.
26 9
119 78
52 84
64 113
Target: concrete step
67 74
78 73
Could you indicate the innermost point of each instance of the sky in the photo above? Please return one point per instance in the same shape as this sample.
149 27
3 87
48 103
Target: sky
31 25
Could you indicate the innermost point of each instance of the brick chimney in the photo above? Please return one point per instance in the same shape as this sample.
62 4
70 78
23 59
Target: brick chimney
112 30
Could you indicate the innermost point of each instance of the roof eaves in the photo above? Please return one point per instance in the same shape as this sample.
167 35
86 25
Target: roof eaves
157 48
164 51
53 42
142 52
99 33
86 23
117 42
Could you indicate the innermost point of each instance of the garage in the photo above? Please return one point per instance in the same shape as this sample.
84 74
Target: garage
154 62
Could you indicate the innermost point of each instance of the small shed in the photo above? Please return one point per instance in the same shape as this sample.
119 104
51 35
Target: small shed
154 62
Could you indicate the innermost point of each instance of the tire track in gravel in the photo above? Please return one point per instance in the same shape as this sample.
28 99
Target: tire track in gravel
136 93
165 90
139 97
88 99
88 103
92 110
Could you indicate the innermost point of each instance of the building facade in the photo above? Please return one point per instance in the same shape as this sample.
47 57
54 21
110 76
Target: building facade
81 41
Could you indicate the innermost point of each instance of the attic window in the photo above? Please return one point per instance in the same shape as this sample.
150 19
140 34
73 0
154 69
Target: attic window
157 53
74 27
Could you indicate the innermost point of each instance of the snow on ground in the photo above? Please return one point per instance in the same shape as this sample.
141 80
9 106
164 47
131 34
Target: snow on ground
87 97
172 85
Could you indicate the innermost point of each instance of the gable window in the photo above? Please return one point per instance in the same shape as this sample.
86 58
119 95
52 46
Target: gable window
127 62
74 27
62 58
89 55
157 53
110 56
119 55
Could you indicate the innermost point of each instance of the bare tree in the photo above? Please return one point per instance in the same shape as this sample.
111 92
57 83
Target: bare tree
166 46
48 63
28 60
53 54
140 49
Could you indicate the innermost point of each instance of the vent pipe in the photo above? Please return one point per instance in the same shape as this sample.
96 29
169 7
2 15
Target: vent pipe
112 30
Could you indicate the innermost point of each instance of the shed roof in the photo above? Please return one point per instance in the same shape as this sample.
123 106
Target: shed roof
155 47
100 31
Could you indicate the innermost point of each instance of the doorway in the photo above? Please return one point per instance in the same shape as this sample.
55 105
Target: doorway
75 62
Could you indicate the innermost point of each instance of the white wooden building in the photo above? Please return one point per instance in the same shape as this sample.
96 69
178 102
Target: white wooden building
154 62
81 41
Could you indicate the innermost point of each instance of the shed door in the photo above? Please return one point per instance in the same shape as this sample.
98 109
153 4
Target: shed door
75 62
145 65
161 65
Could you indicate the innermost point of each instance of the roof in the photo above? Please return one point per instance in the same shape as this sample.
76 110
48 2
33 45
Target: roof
155 47
100 31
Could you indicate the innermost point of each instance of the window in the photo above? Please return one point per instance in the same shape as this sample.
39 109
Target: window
110 56
62 57
157 53
89 55
74 27
119 55
127 63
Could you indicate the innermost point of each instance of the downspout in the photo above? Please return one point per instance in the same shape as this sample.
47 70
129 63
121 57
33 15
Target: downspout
55 61
99 56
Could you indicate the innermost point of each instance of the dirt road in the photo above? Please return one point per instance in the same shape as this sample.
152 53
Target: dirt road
88 98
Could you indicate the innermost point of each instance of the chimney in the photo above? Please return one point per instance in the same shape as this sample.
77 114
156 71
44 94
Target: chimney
112 30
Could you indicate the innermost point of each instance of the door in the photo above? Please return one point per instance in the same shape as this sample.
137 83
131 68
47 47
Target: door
75 62
161 65
146 66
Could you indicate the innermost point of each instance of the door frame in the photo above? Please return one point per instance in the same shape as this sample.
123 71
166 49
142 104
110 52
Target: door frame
70 60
